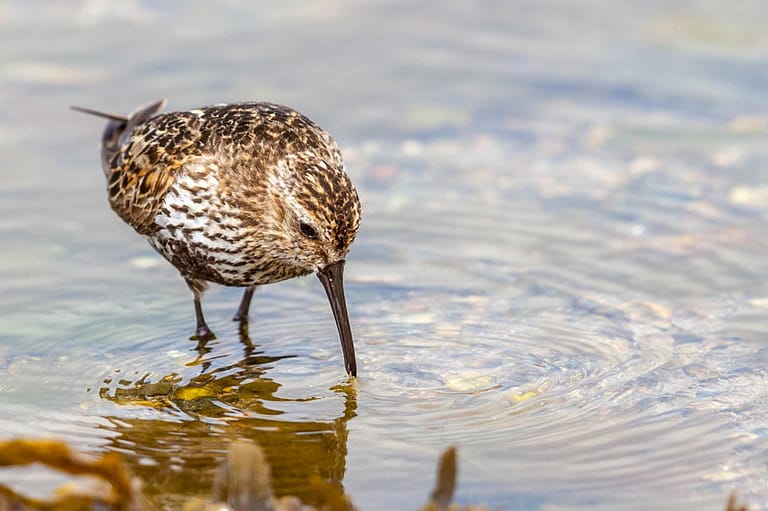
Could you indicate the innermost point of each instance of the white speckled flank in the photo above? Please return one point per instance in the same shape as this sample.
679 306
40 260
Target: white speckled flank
186 224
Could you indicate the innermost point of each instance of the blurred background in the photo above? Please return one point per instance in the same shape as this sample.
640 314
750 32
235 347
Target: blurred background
561 267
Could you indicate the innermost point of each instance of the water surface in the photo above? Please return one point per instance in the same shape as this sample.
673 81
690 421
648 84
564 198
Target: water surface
561 268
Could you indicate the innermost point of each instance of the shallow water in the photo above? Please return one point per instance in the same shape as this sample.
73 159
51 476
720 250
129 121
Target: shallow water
561 269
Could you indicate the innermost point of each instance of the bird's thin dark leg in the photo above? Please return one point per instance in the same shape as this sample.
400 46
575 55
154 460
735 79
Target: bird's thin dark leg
202 332
242 312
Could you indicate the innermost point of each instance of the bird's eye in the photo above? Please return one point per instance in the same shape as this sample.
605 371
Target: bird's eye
307 230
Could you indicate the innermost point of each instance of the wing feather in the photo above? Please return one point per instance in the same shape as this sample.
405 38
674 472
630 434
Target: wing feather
150 158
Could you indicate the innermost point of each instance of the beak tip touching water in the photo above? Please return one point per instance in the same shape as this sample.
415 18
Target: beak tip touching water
332 277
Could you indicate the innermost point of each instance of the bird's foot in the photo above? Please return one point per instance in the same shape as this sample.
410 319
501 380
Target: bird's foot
203 333
241 316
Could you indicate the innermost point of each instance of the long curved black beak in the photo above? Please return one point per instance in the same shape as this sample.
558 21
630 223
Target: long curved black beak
332 277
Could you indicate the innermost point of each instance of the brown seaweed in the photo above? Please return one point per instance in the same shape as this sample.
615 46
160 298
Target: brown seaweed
242 483
125 490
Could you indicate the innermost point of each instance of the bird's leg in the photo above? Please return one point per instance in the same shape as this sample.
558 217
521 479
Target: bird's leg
202 332
242 312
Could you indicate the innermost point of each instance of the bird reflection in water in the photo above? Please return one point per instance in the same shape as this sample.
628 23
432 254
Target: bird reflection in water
176 456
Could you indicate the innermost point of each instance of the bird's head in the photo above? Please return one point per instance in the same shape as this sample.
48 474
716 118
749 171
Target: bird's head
311 213
323 214
324 218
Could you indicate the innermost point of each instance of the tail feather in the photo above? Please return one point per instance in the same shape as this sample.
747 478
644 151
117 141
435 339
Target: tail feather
117 126
106 115
136 117
143 113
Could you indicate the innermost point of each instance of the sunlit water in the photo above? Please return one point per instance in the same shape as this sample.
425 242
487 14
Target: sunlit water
562 267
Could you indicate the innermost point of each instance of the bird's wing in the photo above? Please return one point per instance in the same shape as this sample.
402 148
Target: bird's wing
149 159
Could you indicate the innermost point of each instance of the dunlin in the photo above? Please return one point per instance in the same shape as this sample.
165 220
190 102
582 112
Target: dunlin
240 195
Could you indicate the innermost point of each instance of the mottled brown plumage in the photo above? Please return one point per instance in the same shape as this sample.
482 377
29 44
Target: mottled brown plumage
240 195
